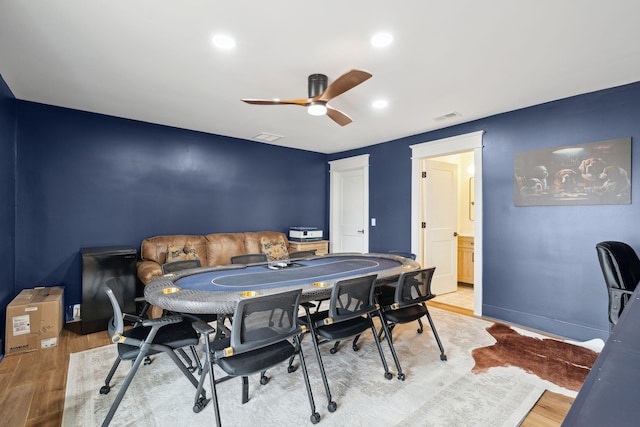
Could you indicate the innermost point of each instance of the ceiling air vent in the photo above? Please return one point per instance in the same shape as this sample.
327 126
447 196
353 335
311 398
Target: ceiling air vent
267 137
447 116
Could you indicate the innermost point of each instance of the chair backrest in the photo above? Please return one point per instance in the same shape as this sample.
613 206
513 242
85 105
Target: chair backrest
171 267
265 320
620 265
352 298
114 292
302 254
404 254
414 287
249 259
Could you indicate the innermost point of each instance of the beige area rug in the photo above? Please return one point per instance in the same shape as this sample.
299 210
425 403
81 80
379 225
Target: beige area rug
435 393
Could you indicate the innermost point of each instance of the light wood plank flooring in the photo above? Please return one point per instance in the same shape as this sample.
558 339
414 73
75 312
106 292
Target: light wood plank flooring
32 385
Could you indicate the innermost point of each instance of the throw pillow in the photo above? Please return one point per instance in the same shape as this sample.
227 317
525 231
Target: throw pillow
190 251
175 254
275 251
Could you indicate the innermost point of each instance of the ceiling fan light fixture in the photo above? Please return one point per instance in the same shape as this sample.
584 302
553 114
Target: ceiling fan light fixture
317 108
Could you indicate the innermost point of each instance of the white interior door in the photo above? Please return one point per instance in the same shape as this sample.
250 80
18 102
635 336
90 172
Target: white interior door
350 205
440 215
352 222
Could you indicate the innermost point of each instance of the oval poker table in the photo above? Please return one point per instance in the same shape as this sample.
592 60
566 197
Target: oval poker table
217 290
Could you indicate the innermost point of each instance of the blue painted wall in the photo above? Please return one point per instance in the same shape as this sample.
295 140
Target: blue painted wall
86 180
540 264
7 195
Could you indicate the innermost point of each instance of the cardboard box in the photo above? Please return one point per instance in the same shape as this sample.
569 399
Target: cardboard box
34 320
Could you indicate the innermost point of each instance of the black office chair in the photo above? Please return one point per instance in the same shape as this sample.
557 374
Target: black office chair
404 254
172 267
410 294
302 254
260 339
148 336
621 269
249 259
350 312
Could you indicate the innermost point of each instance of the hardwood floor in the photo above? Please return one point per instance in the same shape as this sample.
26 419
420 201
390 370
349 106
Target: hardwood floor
32 385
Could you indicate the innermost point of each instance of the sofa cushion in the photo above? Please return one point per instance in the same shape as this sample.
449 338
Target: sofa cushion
222 246
155 248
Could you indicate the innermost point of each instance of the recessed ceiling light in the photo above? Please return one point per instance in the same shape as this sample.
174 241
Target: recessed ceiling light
380 104
223 41
383 39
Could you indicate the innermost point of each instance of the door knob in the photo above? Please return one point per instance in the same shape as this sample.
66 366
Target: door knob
455 234
361 231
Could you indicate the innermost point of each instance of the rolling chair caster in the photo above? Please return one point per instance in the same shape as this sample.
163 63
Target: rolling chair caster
443 357
105 389
292 368
264 379
388 375
315 418
332 406
401 377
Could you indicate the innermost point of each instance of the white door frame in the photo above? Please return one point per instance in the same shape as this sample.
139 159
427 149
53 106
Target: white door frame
335 168
442 147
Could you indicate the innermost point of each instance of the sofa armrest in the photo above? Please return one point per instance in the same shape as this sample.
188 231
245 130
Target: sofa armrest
148 270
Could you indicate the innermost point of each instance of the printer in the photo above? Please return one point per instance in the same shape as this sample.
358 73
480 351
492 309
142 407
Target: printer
304 234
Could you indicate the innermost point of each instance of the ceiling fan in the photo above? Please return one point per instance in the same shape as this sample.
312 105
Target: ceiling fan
320 94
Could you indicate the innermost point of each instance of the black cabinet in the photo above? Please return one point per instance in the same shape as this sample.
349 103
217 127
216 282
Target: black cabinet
99 264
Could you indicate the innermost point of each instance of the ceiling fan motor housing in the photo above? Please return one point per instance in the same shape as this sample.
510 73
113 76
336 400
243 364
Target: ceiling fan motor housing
317 84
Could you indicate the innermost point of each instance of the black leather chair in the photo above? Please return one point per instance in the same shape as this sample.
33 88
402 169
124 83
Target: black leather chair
408 304
260 339
172 267
165 335
302 254
350 312
249 259
621 269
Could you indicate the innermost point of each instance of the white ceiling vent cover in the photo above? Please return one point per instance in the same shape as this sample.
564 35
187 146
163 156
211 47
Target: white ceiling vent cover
267 137
448 116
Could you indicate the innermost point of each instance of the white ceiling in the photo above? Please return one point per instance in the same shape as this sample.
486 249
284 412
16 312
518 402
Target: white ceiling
153 60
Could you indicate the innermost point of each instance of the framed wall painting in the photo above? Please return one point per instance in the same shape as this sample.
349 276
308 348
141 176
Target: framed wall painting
593 173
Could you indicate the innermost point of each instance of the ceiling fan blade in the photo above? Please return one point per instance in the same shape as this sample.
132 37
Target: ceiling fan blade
302 102
338 116
347 81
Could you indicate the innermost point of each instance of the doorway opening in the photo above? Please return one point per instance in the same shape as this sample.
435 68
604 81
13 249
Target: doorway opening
468 147
460 293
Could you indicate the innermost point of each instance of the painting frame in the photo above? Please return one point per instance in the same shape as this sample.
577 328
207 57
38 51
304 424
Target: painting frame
594 173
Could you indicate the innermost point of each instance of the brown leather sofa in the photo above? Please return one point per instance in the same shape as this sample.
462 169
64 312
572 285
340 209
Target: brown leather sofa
211 249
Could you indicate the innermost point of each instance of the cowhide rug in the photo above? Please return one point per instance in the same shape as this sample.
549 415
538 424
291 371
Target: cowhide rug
562 363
